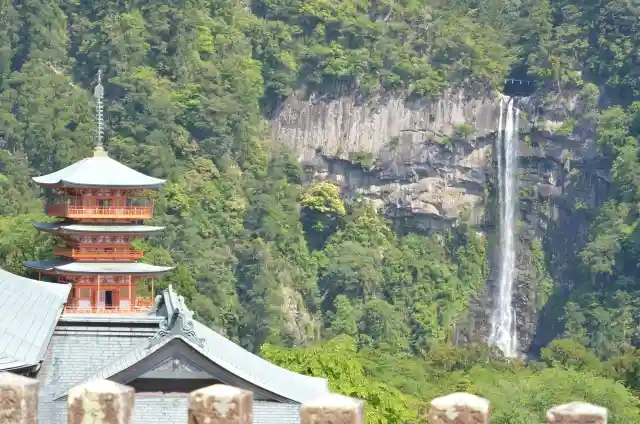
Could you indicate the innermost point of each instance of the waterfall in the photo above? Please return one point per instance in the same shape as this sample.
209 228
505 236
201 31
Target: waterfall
503 325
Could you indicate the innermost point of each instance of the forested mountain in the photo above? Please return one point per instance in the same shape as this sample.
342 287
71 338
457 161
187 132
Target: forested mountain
320 283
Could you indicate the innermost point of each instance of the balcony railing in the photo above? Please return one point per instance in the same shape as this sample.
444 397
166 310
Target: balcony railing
142 306
97 212
75 309
96 254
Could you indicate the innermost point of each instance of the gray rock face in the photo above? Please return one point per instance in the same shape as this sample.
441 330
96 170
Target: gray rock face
419 169
344 126
424 171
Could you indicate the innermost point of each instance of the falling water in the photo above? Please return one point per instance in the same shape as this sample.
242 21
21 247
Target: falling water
503 328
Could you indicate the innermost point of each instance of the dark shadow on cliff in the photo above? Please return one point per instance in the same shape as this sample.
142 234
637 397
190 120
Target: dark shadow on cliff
565 239
519 83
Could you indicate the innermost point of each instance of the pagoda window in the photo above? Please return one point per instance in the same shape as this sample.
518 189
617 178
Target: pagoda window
85 292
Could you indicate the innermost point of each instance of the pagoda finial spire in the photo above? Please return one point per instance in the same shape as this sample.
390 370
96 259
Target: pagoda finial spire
98 93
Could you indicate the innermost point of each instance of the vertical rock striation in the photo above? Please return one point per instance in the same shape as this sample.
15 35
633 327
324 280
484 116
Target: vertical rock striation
344 126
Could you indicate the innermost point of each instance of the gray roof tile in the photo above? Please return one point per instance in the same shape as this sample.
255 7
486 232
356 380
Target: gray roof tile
244 364
158 408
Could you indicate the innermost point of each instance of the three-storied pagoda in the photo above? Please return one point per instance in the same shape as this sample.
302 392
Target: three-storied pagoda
101 205
163 353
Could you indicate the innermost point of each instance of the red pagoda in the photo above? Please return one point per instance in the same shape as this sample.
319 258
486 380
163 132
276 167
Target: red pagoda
101 205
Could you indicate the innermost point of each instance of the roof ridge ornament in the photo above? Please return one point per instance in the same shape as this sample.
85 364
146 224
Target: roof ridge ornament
98 93
179 321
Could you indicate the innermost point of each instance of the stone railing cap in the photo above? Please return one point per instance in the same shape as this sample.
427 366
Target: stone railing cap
334 400
578 408
468 400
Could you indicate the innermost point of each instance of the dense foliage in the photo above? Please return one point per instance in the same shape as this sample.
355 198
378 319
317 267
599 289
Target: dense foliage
276 266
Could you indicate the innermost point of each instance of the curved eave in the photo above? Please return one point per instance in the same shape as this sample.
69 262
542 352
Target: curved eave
72 184
62 228
149 272
99 171
96 268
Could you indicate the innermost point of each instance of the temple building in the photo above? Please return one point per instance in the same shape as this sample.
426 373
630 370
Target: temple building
89 323
102 204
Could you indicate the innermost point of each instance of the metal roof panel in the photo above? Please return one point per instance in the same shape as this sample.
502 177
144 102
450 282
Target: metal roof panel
99 171
72 267
30 312
68 227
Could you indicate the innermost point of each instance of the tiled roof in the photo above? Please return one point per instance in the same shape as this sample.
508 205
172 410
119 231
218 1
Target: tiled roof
172 409
242 363
30 310
71 228
99 171
79 347
218 349
72 267
84 348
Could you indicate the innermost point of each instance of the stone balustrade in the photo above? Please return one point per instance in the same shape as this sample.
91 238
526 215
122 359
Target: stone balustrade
106 402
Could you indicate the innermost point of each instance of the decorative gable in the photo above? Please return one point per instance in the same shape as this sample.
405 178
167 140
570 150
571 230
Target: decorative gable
177 366
179 322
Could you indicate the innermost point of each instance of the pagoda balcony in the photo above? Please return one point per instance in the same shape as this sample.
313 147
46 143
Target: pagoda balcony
142 306
97 254
98 212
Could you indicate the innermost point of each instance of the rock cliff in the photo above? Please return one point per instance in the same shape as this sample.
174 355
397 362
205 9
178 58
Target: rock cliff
411 157
425 163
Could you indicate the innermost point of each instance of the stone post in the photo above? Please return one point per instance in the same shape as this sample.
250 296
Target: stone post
100 402
577 413
18 399
220 404
333 409
459 408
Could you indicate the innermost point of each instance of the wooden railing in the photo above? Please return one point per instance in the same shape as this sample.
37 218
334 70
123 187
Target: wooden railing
106 402
96 212
144 302
141 305
111 310
98 254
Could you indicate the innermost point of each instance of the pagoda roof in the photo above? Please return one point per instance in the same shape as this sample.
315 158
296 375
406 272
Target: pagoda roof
30 311
73 228
99 171
64 266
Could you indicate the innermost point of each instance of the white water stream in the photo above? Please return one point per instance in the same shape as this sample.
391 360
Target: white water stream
503 325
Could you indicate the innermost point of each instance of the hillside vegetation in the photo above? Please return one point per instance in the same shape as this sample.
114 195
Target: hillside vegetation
278 267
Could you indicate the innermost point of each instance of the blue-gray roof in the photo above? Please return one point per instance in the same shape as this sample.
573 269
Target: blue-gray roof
73 267
99 171
30 310
251 368
89 347
72 228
